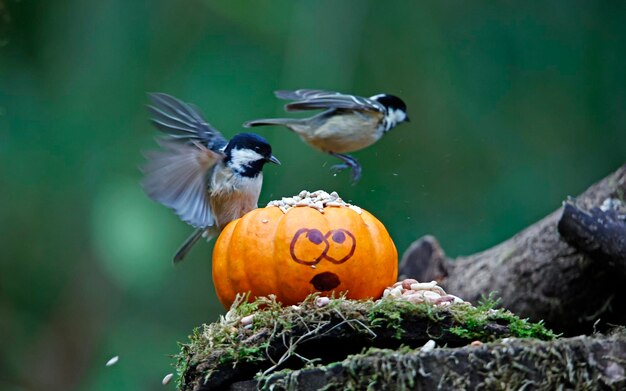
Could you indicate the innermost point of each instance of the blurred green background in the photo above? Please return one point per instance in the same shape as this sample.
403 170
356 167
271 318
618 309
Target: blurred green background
514 106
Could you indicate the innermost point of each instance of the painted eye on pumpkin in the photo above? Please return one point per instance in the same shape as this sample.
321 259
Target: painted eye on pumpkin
341 245
308 246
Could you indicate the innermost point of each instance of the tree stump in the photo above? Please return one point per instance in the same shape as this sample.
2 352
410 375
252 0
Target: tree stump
568 269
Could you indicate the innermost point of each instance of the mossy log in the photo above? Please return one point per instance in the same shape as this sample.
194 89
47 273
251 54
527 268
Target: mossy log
571 281
580 363
263 337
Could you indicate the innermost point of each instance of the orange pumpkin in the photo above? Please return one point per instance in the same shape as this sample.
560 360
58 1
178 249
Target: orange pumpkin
302 251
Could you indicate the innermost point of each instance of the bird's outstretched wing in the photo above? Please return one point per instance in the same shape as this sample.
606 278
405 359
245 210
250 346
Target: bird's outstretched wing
319 100
183 121
177 175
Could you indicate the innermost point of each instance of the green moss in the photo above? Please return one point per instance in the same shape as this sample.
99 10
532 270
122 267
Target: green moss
227 343
390 313
472 322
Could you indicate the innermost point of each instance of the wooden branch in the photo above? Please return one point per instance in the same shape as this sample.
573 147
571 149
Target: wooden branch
573 363
600 232
537 273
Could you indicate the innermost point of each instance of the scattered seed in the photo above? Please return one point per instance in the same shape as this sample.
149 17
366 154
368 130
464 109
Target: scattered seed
322 301
247 320
112 361
356 209
431 296
166 380
428 346
396 292
406 284
415 298
445 299
415 292
264 221
423 285
456 299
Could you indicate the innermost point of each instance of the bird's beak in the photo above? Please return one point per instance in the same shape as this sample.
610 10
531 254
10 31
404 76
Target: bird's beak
274 160
407 119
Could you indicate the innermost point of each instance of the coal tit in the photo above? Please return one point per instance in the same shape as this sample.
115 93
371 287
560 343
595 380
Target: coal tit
347 124
205 179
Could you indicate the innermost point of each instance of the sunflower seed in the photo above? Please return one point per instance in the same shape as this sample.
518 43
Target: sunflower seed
113 361
166 380
428 346
247 320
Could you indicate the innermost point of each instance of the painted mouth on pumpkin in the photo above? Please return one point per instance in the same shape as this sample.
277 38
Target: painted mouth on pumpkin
325 281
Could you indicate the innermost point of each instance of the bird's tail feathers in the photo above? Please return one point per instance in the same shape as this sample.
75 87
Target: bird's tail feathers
209 233
286 122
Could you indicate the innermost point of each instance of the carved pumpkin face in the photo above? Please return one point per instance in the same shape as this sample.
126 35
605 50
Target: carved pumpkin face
303 251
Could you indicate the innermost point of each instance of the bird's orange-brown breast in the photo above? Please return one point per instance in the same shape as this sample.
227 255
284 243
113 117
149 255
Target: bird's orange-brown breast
346 132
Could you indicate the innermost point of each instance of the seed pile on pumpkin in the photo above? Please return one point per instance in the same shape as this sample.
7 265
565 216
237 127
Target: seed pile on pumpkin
312 242
318 199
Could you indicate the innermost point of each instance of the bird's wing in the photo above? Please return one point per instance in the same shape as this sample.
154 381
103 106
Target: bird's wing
319 99
177 177
183 121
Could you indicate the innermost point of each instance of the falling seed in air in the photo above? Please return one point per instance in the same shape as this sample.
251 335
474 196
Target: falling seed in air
166 380
264 221
113 361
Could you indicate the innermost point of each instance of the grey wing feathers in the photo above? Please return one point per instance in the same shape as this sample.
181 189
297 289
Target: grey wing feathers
176 176
320 99
183 121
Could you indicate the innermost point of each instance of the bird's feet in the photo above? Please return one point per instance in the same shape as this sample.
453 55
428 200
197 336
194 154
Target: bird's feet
348 162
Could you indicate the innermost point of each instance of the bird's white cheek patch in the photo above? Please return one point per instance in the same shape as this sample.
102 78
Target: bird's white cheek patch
398 116
240 158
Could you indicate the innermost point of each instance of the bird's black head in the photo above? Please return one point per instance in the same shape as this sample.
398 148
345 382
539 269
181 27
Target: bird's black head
395 109
390 102
247 153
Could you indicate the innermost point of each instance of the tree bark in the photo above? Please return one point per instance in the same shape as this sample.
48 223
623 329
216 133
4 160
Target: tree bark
537 273
581 363
337 336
